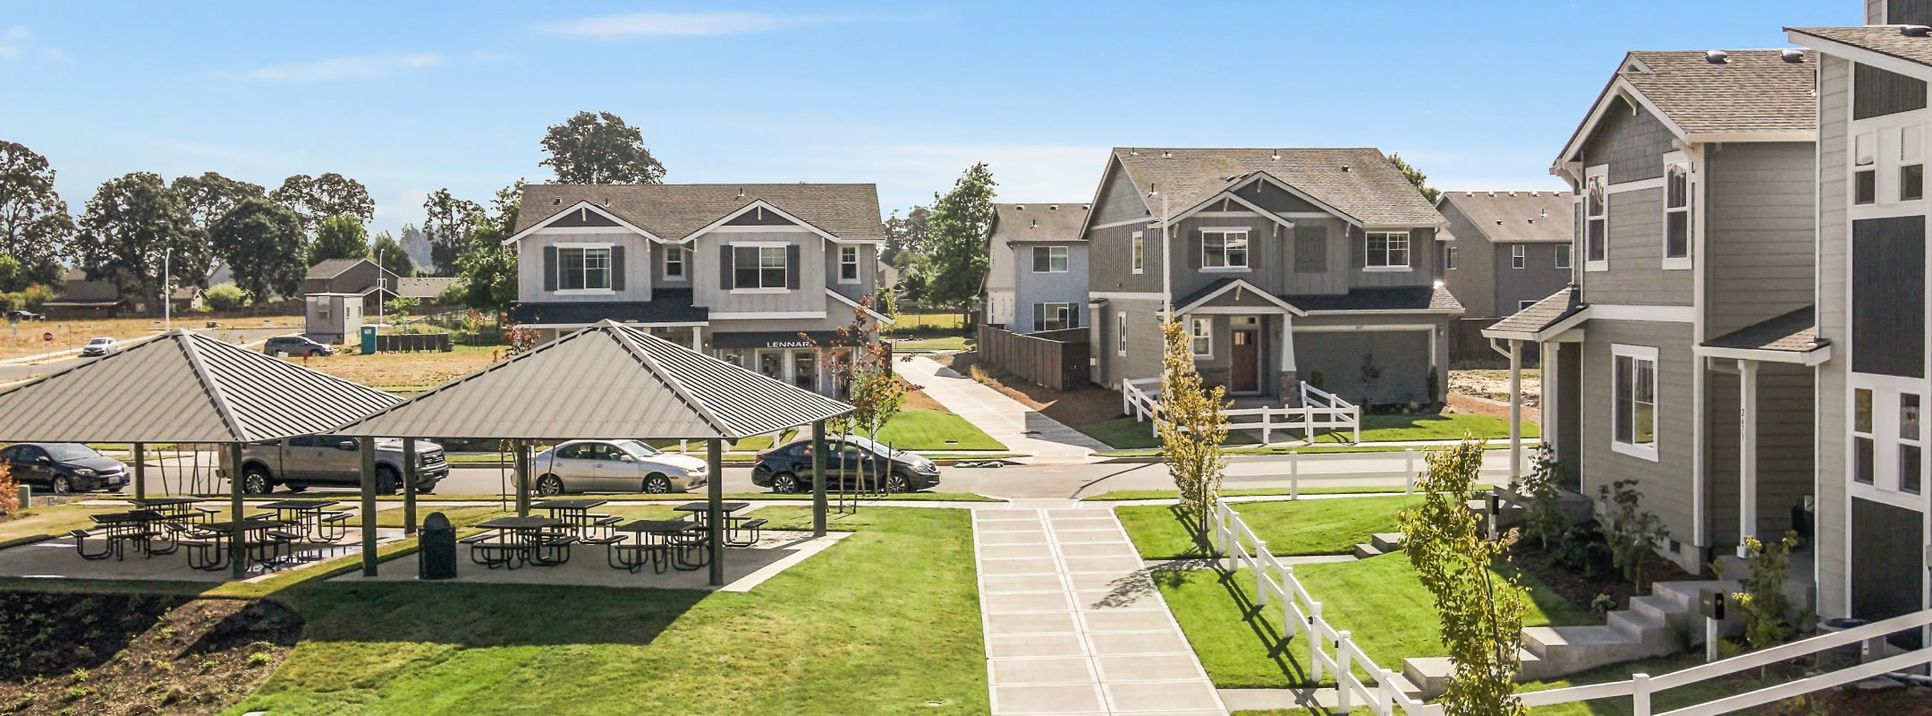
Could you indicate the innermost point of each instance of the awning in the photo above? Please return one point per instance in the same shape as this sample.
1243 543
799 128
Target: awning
776 339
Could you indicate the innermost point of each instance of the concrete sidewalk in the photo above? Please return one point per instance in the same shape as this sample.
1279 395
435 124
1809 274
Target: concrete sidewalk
1020 428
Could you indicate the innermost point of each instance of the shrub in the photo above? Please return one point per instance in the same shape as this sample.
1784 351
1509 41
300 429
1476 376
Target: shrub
1542 520
225 297
1603 604
1762 601
36 296
9 491
1435 385
1632 534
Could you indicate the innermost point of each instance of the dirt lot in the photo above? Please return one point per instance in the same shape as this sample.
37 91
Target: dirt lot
405 372
27 338
1073 407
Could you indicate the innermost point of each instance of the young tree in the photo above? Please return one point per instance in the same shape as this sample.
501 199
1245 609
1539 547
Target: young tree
331 194
207 198
34 225
488 269
1192 427
391 255
874 392
955 253
1416 177
1482 611
599 149
265 245
130 225
340 237
450 222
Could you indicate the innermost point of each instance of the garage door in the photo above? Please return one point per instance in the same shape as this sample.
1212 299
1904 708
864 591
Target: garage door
1376 366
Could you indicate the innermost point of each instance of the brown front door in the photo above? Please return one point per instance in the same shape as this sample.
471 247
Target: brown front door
1246 358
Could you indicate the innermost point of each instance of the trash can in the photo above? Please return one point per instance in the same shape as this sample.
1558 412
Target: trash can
436 548
368 340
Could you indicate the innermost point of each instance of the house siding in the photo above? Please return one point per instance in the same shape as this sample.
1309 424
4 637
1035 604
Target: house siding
1760 236
1473 280
1630 143
1110 261
1034 288
1118 200
1636 254
1668 485
1143 359
868 270
1785 454
637 259
1833 295
708 290
1538 278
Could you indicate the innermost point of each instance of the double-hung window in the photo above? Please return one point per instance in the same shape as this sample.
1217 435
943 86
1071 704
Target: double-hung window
1120 333
583 268
1563 256
1865 168
1386 250
1201 337
1224 249
674 263
1049 259
848 264
1909 446
1677 213
1634 401
1911 163
1864 437
1596 219
758 267
1139 250
1518 256
1448 258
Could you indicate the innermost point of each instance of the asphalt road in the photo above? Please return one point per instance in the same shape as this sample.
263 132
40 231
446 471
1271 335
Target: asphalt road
22 371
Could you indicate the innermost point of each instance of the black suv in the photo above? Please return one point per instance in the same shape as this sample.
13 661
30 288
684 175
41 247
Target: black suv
294 346
64 467
788 467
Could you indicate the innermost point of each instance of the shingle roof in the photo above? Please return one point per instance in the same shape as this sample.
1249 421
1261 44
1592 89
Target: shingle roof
182 386
1359 182
1794 332
608 382
673 211
427 287
1410 298
331 268
1883 39
1751 91
1507 217
1554 308
1041 221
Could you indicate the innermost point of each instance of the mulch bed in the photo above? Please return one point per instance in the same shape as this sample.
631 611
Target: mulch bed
1581 589
1084 406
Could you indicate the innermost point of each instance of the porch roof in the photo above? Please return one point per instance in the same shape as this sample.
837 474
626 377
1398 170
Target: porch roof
1542 319
1403 299
1789 338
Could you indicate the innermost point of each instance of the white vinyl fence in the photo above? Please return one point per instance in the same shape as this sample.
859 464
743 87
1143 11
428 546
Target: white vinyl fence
1320 412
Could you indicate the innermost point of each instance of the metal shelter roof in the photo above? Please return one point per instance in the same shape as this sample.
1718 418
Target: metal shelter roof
607 381
182 386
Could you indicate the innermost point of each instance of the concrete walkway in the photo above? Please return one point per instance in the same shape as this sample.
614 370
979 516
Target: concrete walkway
1073 623
1020 428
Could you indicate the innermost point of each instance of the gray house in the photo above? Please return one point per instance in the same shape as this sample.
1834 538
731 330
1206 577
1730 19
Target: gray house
1286 265
1509 249
1682 357
360 277
1036 269
1872 531
757 274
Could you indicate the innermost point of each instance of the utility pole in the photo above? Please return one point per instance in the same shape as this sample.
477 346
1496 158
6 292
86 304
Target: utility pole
382 284
1167 263
167 291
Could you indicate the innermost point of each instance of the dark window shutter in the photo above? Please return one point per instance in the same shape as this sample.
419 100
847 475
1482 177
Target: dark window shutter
1357 250
616 268
549 268
1039 316
1194 249
791 266
724 268
1073 316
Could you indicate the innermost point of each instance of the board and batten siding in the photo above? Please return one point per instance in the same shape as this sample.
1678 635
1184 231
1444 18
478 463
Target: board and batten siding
636 266
1667 484
1760 228
1833 297
708 287
1785 453
868 270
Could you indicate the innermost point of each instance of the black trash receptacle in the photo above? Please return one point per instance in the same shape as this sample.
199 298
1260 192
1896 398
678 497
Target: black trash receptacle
436 548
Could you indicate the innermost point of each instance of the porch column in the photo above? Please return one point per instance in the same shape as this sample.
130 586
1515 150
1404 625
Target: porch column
1515 411
1747 452
1289 380
818 479
523 476
697 339
237 549
1551 356
409 487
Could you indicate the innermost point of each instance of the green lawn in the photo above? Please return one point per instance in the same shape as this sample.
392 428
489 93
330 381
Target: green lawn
1296 527
925 429
1123 495
857 629
1378 600
934 343
1124 434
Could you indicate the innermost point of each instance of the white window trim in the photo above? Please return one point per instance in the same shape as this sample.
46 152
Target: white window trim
735 245
857 270
1192 325
1120 333
1448 258
1902 442
1645 353
1564 251
1247 250
1688 260
606 246
1046 311
683 256
1599 172
1518 257
1065 255
1138 249
1408 252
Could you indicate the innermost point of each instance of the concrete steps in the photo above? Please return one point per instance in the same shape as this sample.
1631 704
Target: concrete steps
1386 541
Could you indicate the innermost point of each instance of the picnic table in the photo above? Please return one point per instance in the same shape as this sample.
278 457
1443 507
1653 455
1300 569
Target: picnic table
521 540
118 529
651 543
174 508
739 531
265 540
311 518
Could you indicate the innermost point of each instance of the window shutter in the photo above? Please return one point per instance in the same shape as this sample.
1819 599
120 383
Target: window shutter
791 266
549 268
724 268
1194 249
1073 316
1039 316
1358 250
616 268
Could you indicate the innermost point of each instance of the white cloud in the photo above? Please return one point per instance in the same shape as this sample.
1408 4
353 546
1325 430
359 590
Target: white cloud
347 68
681 24
18 43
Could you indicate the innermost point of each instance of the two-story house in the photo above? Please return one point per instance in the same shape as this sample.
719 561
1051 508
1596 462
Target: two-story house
1683 356
1872 531
1509 249
762 275
1285 265
1036 267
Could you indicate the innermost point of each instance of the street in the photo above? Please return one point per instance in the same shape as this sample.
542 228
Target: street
13 372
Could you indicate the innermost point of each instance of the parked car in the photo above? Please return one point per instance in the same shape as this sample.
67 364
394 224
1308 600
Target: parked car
788 467
26 316
335 461
63 468
100 346
614 466
297 346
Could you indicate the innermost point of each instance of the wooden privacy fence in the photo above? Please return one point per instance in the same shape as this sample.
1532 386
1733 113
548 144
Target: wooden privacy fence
1049 359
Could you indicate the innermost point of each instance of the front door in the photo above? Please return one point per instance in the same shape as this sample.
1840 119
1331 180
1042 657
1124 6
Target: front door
1246 367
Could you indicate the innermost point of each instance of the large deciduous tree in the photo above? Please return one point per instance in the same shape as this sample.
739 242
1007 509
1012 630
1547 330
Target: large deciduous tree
207 198
488 269
449 223
1416 177
391 255
130 225
265 245
954 257
599 148
34 225
339 237
905 236
331 194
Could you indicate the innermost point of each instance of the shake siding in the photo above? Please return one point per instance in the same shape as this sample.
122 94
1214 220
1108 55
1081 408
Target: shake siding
1633 145
1636 274
1833 244
1473 280
1667 484
1784 449
1273 198
1761 220
1119 200
1034 288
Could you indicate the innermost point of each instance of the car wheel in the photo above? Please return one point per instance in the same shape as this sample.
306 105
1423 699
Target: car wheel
657 484
549 485
387 481
897 482
255 481
61 486
784 483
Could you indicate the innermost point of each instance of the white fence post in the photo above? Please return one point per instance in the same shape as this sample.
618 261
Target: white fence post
1640 694
1260 574
1385 682
1408 460
1314 642
1355 412
1343 694
1288 620
1294 474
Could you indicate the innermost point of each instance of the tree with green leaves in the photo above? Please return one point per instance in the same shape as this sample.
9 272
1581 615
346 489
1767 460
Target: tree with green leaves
599 148
905 236
506 207
264 244
1481 610
450 222
1416 177
391 256
34 225
488 269
954 257
208 197
861 365
130 226
1192 427
339 237
331 194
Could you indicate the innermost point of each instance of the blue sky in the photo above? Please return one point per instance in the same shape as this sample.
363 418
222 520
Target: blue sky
409 97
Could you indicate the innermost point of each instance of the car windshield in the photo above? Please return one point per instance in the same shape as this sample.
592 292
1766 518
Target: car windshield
637 448
98 341
70 451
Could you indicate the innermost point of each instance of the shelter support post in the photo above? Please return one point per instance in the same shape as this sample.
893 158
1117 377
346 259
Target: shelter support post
409 486
1516 411
368 449
237 556
140 472
714 510
523 477
818 479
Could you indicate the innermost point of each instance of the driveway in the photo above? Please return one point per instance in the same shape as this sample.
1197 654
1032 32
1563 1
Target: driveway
1020 428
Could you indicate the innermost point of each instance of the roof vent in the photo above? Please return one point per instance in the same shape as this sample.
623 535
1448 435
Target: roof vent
1166 154
1019 207
1084 207
1275 155
741 192
1347 168
1036 224
1793 55
1053 207
1545 212
1133 151
1717 57
1915 31
556 201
